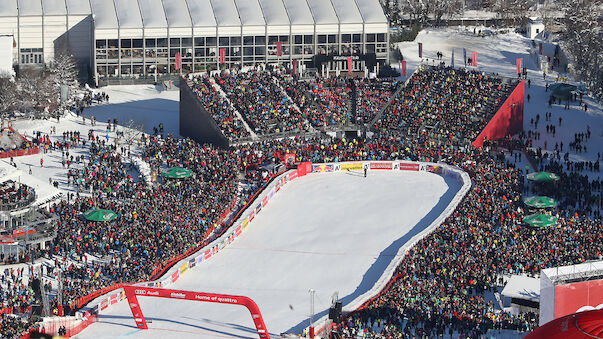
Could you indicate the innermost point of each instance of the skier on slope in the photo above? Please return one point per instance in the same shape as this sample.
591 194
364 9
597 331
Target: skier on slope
365 171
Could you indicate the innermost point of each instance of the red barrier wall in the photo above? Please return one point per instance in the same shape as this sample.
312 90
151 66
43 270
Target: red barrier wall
571 298
508 120
18 153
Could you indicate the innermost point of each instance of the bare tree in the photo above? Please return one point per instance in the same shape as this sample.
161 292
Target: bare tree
64 68
132 132
582 38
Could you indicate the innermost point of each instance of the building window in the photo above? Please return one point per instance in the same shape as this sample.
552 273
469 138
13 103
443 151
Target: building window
32 56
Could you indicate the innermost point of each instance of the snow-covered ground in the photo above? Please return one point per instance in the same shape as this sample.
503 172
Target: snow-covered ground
316 234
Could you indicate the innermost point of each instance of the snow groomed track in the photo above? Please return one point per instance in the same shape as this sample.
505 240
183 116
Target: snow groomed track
331 232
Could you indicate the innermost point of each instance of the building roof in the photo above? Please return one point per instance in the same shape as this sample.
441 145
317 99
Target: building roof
522 287
54 7
323 12
103 14
8 8
29 7
347 11
299 12
226 13
202 13
274 12
151 17
78 7
128 13
114 14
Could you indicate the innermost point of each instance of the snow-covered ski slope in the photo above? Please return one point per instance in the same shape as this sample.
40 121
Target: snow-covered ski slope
334 232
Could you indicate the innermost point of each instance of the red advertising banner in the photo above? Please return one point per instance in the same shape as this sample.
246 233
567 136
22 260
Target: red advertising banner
114 299
518 63
279 48
292 175
409 167
104 304
133 292
578 297
238 230
178 61
222 55
420 49
207 254
294 66
381 165
403 68
265 201
251 215
474 59
349 65
175 276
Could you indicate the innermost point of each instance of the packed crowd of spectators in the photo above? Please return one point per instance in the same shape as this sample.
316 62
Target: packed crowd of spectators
220 109
371 98
262 103
14 194
459 102
439 287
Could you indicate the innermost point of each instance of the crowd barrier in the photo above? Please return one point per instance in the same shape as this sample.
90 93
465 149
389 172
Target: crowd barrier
18 153
104 298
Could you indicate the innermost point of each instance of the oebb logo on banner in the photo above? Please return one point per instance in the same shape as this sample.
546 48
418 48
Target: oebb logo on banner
409 167
381 165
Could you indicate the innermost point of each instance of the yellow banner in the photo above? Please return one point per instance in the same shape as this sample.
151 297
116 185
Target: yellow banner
245 223
354 166
183 268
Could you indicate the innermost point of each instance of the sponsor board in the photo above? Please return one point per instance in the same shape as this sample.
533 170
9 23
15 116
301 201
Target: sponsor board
353 166
265 201
409 166
292 175
114 299
277 187
177 295
381 165
200 258
258 208
251 215
245 223
434 169
322 168
192 263
207 254
183 268
574 297
239 230
271 194
175 276
104 304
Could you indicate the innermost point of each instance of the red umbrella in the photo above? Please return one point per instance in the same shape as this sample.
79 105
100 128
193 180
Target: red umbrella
588 324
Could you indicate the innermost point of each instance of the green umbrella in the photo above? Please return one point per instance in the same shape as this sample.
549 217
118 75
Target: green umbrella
540 220
540 202
99 215
542 176
177 173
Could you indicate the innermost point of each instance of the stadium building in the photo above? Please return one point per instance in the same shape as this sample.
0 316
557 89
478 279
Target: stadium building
150 38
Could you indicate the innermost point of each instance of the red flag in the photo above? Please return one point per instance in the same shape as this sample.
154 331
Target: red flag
403 67
474 59
349 65
222 55
279 46
420 49
294 66
540 48
518 62
178 61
